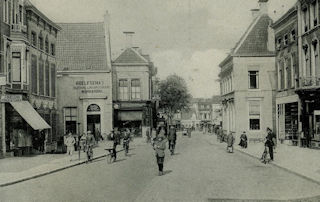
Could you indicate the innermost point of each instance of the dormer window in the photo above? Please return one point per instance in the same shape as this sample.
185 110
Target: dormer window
286 40
279 43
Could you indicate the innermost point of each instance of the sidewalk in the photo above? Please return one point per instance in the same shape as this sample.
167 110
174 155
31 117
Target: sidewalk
18 169
300 161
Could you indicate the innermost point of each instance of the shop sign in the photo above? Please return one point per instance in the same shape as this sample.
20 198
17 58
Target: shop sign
11 98
92 86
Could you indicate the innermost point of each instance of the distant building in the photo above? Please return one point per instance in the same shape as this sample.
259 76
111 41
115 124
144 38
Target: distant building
84 79
247 79
287 64
132 74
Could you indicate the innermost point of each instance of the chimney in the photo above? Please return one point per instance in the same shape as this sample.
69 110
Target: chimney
263 6
129 36
255 13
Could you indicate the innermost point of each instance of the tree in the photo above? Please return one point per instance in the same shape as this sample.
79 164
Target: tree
174 95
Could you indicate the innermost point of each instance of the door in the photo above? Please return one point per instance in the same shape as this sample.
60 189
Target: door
94 124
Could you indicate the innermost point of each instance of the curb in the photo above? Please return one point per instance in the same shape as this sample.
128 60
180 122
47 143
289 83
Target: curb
281 167
52 171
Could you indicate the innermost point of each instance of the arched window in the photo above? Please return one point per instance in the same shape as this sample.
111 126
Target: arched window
93 108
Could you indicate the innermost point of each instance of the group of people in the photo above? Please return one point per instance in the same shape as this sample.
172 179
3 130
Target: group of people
159 144
87 142
269 143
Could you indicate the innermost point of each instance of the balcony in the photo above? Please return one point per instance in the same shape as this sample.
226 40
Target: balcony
309 82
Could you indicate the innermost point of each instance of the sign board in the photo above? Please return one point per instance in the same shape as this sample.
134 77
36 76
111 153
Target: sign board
11 98
3 80
92 86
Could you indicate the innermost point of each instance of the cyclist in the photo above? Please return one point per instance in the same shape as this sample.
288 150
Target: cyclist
90 141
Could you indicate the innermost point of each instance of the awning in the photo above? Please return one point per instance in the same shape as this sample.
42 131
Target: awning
30 115
130 116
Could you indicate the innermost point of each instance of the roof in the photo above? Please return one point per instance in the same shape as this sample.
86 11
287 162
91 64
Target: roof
81 46
30 6
292 10
254 42
131 56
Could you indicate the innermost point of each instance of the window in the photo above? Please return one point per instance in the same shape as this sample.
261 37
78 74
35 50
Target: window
46 46
135 89
288 76
286 40
306 19
123 89
34 38
253 79
70 117
16 67
40 42
47 79
6 11
279 43
34 74
9 73
41 77
254 115
314 14
20 14
53 49
53 80
293 35
292 67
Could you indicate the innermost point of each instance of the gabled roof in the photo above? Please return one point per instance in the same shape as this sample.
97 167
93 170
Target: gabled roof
81 46
131 56
254 42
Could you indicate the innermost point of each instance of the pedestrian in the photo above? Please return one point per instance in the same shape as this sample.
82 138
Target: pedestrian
172 137
243 140
83 140
90 141
69 142
269 142
159 147
230 141
115 137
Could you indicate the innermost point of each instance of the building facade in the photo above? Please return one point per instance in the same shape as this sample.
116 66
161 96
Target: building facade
287 64
84 79
309 72
247 79
132 91
30 93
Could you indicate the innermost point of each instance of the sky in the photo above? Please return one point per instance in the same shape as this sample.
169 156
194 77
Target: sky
184 37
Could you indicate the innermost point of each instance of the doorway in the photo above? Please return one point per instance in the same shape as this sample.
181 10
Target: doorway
94 125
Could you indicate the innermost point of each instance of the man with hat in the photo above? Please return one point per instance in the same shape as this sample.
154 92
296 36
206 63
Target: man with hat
243 140
89 144
159 147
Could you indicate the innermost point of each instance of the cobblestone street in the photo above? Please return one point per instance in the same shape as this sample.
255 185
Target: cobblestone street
201 170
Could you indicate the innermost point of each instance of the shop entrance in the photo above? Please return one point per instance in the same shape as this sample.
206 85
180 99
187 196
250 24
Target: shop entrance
94 124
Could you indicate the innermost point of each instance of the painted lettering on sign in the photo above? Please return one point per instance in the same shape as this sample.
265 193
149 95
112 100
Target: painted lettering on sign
91 87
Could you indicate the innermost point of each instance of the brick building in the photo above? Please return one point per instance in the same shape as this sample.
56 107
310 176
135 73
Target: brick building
31 93
132 90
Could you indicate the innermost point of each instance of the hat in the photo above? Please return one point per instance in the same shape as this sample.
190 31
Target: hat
244 132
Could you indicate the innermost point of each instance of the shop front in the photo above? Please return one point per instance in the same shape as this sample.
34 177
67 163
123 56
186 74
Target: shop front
26 131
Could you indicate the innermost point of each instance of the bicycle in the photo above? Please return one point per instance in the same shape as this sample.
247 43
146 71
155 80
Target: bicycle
111 156
89 153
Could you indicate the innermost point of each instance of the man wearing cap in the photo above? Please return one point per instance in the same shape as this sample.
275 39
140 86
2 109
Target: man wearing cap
69 142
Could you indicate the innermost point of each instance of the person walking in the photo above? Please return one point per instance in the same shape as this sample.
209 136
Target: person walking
69 142
90 141
243 140
230 141
269 142
159 147
172 137
115 137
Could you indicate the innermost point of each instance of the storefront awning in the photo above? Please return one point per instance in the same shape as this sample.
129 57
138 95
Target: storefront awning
30 115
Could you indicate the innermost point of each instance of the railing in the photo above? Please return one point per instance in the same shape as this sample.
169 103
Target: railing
19 28
309 81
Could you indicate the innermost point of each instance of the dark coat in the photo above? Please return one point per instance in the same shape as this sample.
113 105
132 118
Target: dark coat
172 134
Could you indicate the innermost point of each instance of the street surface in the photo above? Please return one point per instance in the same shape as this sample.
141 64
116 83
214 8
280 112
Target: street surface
201 170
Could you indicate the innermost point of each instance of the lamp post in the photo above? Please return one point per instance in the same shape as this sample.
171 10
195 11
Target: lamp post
79 148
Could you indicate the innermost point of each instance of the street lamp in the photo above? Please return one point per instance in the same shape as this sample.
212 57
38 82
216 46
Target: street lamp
79 140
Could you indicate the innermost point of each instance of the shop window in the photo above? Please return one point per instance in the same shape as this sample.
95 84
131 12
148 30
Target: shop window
70 117
34 74
53 80
41 77
254 115
135 89
47 79
123 89
16 67
253 79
